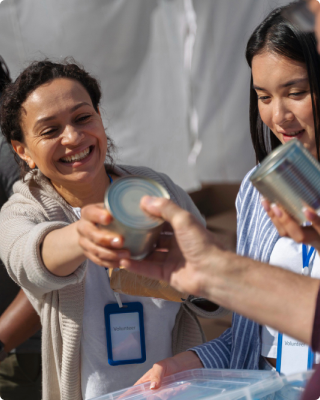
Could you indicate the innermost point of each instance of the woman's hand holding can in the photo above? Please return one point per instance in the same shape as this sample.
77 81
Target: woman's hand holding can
287 226
100 245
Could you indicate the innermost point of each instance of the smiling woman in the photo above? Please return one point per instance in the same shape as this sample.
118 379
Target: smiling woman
51 242
285 85
284 98
66 140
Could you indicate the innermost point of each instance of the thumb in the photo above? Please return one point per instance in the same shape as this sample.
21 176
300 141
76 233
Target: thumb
168 210
183 223
154 376
157 375
96 213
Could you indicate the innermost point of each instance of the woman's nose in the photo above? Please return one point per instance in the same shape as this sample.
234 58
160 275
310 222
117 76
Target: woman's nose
71 135
281 113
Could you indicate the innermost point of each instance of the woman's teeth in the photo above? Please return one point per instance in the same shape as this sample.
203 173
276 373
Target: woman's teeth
294 133
76 157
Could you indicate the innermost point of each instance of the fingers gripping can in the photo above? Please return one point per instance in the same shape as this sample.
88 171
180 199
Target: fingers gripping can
139 230
290 176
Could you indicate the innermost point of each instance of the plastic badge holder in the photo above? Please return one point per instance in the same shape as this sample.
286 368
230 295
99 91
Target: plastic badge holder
205 384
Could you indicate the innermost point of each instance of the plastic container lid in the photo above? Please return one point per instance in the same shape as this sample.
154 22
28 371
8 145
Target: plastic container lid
204 384
292 387
123 200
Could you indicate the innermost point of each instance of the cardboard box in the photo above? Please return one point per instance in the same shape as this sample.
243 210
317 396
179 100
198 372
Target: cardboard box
216 203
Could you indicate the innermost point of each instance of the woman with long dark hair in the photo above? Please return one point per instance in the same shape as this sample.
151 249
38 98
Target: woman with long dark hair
284 104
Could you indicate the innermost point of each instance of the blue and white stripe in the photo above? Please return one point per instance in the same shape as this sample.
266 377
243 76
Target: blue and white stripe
239 347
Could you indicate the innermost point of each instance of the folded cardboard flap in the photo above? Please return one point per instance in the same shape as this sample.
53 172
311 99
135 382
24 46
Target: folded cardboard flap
125 282
216 202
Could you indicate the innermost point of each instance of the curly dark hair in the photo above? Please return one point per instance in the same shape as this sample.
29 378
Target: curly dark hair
4 75
35 75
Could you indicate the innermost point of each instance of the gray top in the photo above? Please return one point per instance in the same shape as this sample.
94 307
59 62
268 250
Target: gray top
9 174
31 213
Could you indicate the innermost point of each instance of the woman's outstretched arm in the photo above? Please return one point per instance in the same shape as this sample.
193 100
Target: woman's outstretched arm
81 240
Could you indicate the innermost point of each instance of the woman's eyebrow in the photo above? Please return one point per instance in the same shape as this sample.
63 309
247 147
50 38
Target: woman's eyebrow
293 82
258 87
50 118
83 103
287 84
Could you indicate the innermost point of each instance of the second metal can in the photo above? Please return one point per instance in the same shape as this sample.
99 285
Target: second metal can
290 176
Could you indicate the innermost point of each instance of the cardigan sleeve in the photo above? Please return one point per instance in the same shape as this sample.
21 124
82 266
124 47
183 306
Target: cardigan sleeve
22 232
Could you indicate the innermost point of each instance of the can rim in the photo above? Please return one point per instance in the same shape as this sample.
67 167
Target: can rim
157 220
274 159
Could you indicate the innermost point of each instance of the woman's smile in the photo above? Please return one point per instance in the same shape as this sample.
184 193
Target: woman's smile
77 157
289 135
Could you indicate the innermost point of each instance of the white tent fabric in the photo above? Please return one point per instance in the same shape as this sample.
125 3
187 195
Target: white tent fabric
174 78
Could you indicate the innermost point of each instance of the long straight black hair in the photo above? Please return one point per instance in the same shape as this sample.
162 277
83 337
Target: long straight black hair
277 35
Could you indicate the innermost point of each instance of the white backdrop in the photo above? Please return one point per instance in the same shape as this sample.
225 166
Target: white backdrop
173 73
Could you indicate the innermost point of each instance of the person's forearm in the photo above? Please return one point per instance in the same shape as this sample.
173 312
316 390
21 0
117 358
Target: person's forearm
61 252
18 322
268 295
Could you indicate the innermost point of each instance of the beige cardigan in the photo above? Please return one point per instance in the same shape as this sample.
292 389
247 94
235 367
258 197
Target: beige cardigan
32 212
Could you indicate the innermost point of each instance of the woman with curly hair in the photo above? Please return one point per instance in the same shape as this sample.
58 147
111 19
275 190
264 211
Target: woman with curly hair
51 244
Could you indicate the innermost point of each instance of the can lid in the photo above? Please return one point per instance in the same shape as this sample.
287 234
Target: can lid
123 201
275 158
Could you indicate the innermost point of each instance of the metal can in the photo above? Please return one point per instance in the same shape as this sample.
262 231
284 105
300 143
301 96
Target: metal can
290 176
139 230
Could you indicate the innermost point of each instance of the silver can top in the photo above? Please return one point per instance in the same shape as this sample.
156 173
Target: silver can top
276 158
123 197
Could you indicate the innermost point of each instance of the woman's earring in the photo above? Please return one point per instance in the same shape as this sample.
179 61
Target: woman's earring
32 164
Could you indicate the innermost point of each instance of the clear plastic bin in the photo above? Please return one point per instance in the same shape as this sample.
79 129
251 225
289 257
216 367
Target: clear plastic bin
205 384
292 387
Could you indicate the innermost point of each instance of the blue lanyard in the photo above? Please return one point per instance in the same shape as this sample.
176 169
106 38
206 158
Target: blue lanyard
110 179
116 295
306 255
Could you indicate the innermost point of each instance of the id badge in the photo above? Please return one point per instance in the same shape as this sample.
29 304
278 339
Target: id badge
125 333
293 356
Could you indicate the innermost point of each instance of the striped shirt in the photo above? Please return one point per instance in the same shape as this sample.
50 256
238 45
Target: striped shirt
239 347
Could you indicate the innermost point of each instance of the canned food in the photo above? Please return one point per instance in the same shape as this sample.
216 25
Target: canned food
290 176
139 230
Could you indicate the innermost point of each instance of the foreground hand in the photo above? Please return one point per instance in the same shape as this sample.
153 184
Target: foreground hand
181 362
188 256
289 227
100 245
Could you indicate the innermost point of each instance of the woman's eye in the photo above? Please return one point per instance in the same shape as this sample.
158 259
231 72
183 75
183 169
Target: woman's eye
297 94
83 118
263 98
48 132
